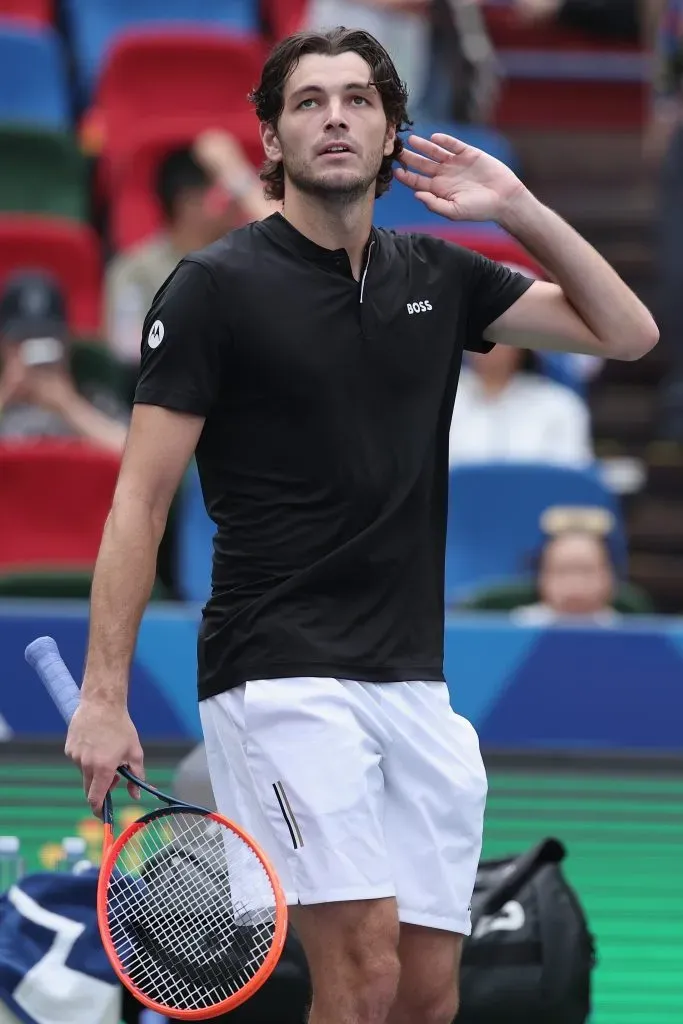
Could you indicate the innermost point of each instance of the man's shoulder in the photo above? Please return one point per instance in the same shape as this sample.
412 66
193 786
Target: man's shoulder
229 252
432 249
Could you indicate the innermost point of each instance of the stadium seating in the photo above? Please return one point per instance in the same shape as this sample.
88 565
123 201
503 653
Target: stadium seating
66 249
154 81
561 78
194 541
55 498
282 17
628 599
25 186
40 11
33 81
494 513
94 25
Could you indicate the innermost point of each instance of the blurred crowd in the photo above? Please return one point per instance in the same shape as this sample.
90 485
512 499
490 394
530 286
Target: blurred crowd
511 407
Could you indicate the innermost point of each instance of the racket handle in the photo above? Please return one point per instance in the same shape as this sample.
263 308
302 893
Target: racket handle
43 656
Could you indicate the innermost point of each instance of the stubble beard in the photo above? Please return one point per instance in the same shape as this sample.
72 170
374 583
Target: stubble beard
331 187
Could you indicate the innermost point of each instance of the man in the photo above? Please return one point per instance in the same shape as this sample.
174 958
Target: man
38 395
312 362
194 215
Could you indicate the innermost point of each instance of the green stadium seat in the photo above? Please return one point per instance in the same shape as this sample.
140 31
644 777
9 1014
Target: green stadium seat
51 584
504 597
42 172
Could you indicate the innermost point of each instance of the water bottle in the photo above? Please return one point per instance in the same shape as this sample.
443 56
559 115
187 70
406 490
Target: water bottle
73 853
11 864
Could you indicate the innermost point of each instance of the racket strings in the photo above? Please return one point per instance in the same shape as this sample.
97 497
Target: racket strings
191 911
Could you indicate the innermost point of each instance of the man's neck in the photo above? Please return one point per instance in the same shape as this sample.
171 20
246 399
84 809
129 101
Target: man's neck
332 225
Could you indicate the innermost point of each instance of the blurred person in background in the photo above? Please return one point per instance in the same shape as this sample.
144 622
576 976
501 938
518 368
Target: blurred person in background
505 413
576 580
441 49
38 396
609 19
203 191
663 143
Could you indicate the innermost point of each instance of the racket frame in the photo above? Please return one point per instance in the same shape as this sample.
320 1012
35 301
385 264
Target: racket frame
110 856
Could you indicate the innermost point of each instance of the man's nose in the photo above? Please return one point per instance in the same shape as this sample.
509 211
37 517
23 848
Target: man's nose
336 117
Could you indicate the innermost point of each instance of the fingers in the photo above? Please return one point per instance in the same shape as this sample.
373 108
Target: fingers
102 781
431 149
443 207
418 163
449 143
137 767
412 180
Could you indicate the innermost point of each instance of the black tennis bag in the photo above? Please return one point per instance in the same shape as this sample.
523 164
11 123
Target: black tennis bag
530 956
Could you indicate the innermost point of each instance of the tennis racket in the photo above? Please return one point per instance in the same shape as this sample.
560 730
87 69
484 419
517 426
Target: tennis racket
191 914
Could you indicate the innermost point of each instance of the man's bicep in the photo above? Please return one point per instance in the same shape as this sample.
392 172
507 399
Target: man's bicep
543 319
159 447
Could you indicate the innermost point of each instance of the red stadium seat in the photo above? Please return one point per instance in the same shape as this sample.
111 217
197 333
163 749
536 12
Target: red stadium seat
151 76
55 498
41 11
65 248
284 16
133 207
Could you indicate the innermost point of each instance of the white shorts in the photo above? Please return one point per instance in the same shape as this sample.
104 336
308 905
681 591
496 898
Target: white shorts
354 790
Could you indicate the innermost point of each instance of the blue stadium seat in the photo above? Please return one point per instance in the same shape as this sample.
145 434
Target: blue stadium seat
398 209
33 81
92 24
494 513
194 542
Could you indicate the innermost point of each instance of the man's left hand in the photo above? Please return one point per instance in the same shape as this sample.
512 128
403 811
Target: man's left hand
458 181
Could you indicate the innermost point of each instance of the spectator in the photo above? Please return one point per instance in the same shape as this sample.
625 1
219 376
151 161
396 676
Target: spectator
38 397
664 149
609 19
505 414
203 192
576 578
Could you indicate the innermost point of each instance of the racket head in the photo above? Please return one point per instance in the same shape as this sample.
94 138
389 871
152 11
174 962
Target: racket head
161 888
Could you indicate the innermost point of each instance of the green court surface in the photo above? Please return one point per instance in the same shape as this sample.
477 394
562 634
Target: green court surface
623 832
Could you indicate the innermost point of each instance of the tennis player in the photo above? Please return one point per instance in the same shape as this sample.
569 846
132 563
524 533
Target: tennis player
311 362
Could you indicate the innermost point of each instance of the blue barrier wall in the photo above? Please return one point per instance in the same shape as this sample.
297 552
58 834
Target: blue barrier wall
523 688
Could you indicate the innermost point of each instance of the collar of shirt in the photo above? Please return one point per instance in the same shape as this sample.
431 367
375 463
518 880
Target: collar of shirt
285 234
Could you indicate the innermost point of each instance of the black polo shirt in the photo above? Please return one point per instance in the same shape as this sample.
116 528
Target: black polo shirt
324 456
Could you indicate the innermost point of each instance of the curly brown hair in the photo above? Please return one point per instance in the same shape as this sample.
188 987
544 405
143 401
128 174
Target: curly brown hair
268 97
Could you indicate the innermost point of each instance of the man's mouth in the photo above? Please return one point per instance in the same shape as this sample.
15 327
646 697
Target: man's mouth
336 147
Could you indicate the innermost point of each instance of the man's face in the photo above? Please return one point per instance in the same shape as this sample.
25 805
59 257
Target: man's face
329 102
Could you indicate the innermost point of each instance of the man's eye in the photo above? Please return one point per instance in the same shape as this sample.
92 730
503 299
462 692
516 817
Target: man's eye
359 100
306 104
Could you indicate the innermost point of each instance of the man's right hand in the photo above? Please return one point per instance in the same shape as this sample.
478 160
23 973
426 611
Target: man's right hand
100 738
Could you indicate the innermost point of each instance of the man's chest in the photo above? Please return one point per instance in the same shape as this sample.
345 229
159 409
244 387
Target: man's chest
314 328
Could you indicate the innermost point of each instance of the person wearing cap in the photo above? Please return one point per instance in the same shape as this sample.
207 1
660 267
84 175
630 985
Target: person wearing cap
203 191
38 396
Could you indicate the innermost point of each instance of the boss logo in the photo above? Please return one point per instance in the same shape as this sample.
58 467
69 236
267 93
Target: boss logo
419 307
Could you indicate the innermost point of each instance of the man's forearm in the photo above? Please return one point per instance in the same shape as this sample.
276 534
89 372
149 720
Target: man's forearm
608 307
122 585
94 425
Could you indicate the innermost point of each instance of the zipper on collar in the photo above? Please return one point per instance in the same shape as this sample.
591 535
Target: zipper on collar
365 272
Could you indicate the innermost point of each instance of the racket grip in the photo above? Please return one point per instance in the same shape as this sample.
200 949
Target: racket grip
43 656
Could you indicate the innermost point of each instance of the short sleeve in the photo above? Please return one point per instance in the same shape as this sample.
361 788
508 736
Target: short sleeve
493 289
183 340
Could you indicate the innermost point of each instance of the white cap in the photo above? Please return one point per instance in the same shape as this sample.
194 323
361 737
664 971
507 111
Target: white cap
9 844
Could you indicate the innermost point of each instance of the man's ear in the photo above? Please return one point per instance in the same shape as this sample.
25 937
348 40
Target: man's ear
390 140
271 143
